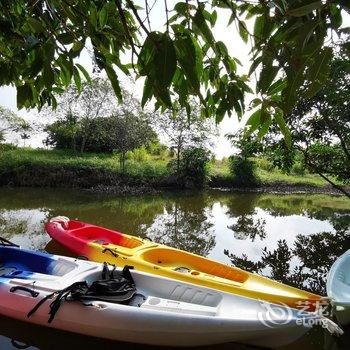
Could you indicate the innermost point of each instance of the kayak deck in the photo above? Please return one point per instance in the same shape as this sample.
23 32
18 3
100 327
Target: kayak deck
172 313
102 244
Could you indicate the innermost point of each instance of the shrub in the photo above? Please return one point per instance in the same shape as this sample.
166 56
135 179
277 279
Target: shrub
7 147
193 167
243 171
264 164
139 155
298 169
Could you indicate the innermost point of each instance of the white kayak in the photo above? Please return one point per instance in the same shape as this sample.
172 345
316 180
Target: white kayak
172 313
338 288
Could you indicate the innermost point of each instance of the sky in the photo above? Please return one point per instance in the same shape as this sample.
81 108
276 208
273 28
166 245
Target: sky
229 35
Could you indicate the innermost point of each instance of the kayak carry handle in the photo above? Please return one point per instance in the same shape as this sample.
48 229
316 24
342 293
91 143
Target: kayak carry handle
33 293
18 345
82 257
110 251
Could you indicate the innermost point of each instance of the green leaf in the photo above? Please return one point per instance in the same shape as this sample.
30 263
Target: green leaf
93 16
267 75
304 10
203 28
318 72
115 82
85 73
294 81
103 16
336 17
35 25
243 32
231 19
190 58
265 125
259 27
255 102
278 117
65 38
147 92
254 121
165 61
157 61
277 86
213 18
66 66
24 95
255 65
76 49
48 75
77 79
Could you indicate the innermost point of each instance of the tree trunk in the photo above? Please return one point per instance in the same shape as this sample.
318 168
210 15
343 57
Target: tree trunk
177 159
122 161
82 146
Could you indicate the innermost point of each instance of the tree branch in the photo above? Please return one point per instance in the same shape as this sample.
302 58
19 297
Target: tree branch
319 172
136 14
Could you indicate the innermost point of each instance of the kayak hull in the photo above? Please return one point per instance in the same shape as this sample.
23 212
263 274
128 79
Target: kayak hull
338 288
100 244
173 314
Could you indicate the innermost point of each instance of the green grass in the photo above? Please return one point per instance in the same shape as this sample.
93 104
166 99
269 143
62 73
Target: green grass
21 158
152 168
220 171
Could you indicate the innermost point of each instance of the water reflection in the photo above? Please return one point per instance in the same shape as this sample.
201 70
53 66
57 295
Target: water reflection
184 225
292 238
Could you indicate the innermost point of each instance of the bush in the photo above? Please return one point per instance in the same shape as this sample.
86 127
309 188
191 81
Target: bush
139 155
264 164
193 167
4 147
243 171
298 169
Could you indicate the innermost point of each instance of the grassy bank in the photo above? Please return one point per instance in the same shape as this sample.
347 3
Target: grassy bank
266 174
55 168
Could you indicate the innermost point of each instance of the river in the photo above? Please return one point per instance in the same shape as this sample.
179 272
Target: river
291 238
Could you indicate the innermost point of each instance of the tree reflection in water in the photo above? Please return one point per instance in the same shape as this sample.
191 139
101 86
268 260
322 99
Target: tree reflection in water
179 227
315 255
247 226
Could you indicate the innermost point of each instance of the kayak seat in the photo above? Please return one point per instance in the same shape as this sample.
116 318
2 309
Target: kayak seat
6 271
11 271
103 236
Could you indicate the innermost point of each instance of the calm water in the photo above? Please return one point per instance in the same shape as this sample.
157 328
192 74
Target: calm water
291 238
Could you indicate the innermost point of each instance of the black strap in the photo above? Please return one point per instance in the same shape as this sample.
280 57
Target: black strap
82 292
111 273
42 301
126 273
55 305
105 271
6 242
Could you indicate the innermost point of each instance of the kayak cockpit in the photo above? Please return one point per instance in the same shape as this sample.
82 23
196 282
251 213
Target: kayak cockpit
101 235
183 262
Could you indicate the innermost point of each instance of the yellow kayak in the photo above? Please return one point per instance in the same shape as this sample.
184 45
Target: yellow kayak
105 245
